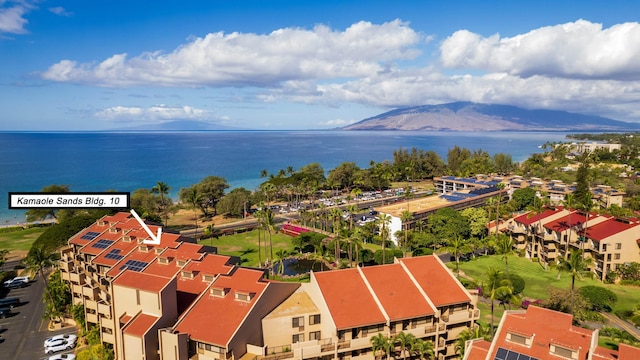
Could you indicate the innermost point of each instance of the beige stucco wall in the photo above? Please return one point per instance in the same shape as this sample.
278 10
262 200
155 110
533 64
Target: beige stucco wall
250 331
173 346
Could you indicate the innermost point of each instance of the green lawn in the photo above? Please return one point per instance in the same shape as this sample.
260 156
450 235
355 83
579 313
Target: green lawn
21 239
537 280
245 246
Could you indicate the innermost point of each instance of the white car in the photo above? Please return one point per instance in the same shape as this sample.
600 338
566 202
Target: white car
62 357
59 345
67 337
20 281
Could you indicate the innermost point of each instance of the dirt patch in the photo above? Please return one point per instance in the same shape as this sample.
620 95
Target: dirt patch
16 255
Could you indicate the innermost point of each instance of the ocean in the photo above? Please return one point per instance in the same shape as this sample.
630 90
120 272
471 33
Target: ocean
126 161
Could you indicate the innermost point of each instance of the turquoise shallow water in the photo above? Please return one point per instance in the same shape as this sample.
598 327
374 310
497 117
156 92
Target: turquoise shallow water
96 162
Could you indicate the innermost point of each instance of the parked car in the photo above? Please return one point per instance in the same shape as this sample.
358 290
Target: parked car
5 312
9 302
17 282
67 337
62 357
59 345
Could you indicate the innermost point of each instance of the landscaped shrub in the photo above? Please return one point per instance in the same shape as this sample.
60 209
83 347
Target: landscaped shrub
517 282
598 297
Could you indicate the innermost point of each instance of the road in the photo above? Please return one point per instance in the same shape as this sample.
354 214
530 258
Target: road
624 325
23 334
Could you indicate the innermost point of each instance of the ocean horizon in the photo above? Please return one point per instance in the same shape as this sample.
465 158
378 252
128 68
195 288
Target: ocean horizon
99 161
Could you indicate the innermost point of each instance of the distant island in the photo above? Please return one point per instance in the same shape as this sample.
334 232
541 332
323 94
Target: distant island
468 116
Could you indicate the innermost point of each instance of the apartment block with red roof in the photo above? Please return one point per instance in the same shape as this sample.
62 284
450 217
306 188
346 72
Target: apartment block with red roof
98 253
538 334
178 301
551 235
338 312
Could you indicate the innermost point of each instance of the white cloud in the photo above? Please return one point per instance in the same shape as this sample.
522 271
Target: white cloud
157 113
12 18
337 123
237 59
580 49
59 10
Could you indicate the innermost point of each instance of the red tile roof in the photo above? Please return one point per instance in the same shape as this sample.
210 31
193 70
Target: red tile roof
142 281
566 222
547 327
398 295
214 320
478 351
349 300
436 280
605 229
531 217
140 325
628 352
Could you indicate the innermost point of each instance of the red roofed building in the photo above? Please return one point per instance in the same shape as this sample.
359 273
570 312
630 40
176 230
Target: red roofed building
610 241
539 334
177 301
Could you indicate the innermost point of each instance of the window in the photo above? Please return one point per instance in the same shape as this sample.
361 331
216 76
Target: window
137 297
519 339
297 322
297 338
314 335
616 256
560 351
604 247
314 319
618 246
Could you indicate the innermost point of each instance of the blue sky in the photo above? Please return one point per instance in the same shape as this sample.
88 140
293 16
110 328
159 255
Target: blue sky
93 65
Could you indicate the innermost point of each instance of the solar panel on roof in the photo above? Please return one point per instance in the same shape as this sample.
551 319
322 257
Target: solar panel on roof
134 265
114 254
504 354
90 235
102 244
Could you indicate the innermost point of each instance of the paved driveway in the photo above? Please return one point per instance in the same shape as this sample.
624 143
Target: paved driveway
23 334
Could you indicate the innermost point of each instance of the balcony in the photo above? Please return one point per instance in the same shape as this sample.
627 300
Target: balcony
90 293
76 278
92 318
105 310
108 338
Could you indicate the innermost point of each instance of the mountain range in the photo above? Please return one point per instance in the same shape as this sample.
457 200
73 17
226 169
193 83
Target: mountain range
468 116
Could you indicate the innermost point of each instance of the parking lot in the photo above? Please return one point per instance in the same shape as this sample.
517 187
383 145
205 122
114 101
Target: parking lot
23 333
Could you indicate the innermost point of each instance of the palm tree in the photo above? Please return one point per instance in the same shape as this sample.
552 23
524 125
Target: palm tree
475 332
194 198
383 221
504 247
500 186
405 217
577 266
259 217
39 259
457 246
568 203
269 223
537 208
424 348
405 341
281 254
162 189
381 342
211 231
498 286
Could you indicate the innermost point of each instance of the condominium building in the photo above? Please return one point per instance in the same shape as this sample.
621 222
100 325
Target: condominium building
178 301
538 334
550 235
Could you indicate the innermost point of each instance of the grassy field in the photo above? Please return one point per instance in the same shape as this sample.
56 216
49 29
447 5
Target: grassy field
537 280
245 246
20 240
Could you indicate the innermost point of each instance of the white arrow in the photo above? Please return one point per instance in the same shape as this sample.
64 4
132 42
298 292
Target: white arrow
155 239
